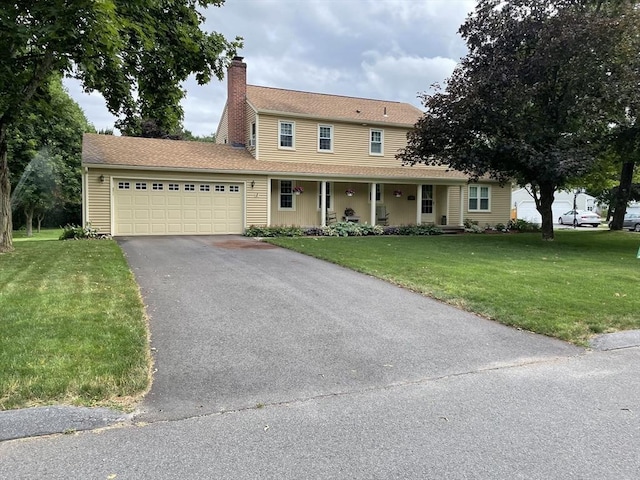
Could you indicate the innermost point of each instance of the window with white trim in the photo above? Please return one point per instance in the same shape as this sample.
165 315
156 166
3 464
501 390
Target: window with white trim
124 185
427 198
479 198
174 187
287 132
218 188
234 188
157 186
141 185
325 138
327 195
286 195
376 138
205 187
189 187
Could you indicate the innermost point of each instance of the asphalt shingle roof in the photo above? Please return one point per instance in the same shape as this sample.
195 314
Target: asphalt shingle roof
320 105
133 152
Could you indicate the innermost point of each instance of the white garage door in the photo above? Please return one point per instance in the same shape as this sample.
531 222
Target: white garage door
527 211
161 207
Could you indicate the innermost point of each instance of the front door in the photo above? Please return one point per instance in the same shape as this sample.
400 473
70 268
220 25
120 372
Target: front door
428 204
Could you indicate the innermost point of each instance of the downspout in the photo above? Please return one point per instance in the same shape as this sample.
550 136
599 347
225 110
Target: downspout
85 196
461 223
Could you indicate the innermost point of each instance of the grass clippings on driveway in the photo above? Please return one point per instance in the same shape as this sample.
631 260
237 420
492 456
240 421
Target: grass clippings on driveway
581 284
73 328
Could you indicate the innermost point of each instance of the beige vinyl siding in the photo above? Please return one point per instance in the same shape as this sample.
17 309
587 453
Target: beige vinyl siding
350 143
222 133
99 212
500 206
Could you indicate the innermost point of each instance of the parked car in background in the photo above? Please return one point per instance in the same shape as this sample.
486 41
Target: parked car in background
631 222
579 218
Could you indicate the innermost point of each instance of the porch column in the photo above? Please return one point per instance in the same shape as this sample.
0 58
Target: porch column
323 203
419 205
461 223
374 188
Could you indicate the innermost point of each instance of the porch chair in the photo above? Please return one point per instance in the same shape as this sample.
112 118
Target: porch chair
331 217
382 216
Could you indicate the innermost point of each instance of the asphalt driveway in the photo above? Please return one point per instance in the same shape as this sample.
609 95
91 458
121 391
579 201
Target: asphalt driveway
237 323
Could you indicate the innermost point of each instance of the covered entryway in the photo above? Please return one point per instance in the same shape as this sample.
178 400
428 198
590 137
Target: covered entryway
167 207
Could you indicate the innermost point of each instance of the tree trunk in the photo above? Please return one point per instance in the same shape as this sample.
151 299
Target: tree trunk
6 223
28 215
39 219
622 198
544 207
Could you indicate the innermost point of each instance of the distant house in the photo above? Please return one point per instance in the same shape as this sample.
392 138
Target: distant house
282 157
525 207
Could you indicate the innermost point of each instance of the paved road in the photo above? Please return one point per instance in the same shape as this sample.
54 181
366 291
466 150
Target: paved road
271 364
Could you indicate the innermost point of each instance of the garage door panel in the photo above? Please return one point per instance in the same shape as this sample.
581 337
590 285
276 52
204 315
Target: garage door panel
173 207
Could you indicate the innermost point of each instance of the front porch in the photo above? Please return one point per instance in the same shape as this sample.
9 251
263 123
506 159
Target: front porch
319 203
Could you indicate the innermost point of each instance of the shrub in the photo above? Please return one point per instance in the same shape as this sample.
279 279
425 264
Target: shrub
520 225
341 229
277 231
76 232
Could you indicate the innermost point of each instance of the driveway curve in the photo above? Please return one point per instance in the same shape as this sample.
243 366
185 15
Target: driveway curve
237 324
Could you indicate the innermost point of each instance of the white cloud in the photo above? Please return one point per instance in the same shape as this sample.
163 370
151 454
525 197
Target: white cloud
387 49
402 77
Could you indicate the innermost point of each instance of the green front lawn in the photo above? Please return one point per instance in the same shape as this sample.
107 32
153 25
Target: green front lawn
581 284
72 324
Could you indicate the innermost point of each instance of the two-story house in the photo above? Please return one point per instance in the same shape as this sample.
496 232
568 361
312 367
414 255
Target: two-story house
282 157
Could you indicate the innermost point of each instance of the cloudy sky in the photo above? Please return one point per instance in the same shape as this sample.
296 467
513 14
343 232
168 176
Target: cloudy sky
382 49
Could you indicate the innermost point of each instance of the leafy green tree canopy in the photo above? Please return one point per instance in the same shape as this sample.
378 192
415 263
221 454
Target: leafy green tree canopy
530 98
135 52
45 146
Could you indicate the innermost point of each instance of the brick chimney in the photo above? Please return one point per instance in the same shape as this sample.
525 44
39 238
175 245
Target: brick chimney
236 108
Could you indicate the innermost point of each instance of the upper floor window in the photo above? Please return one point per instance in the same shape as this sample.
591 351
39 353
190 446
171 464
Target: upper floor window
286 195
287 133
479 198
375 142
325 138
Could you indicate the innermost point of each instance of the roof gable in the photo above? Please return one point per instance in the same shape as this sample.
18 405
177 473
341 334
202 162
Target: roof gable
331 107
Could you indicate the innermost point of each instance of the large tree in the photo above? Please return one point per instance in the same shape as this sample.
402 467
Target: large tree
532 97
45 145
135 52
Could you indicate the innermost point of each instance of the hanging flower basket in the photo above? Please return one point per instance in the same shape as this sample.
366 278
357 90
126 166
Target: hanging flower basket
297 190
397 193
349 192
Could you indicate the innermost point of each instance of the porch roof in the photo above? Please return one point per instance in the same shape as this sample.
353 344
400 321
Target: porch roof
156 154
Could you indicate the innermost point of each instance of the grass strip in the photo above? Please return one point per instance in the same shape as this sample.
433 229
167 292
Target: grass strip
581 284
72 325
